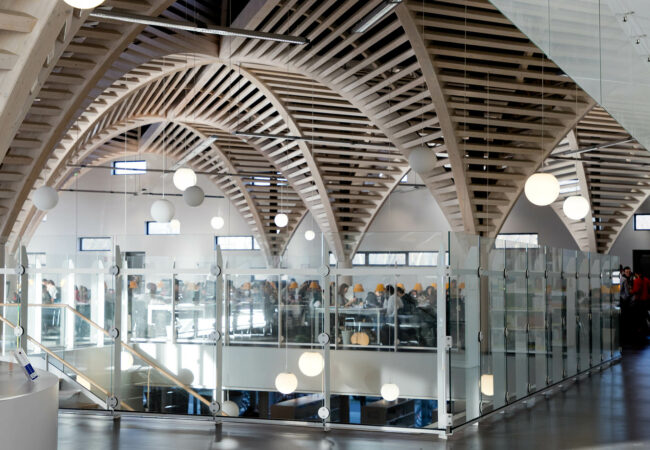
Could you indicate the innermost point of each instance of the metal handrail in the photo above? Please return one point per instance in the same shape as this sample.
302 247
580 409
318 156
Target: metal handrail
132 350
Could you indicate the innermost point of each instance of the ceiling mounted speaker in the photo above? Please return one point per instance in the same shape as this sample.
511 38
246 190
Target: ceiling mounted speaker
542 189
576 207
84 4
45 198
162 211
193 196
422 160
184 178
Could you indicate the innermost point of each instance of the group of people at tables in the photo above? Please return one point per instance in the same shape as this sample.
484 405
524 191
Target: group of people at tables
412 311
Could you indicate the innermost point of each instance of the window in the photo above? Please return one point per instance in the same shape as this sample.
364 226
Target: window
387 259
359 259
642 222
567 186
129 167
158 228
261 181
36 259
515 240
616 277
424 258
237 243
95 244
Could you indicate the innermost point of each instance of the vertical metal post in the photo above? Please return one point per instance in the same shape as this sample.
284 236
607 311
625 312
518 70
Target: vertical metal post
24 295
119 329
3 282
442 360
219 324
327 301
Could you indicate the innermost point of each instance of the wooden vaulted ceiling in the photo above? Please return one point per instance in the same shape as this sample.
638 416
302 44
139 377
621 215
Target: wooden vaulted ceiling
453 76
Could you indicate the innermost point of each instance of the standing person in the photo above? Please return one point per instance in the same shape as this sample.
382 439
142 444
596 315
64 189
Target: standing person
626 300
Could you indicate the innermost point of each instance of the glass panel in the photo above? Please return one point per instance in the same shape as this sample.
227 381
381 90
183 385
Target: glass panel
516 323
493 354
606 302
464 326
616 312
571 321
596 308
556 315
537 314
583 312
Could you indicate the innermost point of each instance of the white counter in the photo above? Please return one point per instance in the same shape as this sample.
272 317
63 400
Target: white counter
28 410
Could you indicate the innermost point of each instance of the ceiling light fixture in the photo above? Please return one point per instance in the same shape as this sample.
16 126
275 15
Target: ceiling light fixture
200 147
576 207
375 15
188 26
84 4
542 189
184 178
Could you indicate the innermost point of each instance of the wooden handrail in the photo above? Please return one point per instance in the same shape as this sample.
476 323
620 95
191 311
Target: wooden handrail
68 365
132 350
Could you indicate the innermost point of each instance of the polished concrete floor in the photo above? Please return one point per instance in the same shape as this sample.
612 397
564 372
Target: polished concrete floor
610 409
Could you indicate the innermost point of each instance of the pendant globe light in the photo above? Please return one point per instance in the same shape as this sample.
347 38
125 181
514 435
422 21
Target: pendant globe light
576 207
184 178
542 189
281 220
45 198
422 160
230 408
311 364
193 196
84 4
286 382
390 392
217 222
162 211
310 235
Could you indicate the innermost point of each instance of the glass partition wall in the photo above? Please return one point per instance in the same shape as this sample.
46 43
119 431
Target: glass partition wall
425 331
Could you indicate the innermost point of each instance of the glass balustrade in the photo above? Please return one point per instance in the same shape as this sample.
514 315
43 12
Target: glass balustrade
418 330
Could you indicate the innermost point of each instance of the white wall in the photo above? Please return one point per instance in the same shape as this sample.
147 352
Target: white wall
408 220
630 240
92 214
528 218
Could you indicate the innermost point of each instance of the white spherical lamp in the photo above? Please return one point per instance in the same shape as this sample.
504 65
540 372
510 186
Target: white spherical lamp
286 382
542 189
193 196
45 198
230 409
422 160
390 392
310 235
487 384
184 178
281 220
217 222
162 211
84 4
575 207
311 363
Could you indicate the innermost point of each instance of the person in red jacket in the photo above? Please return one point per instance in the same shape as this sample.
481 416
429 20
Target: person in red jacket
645 293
